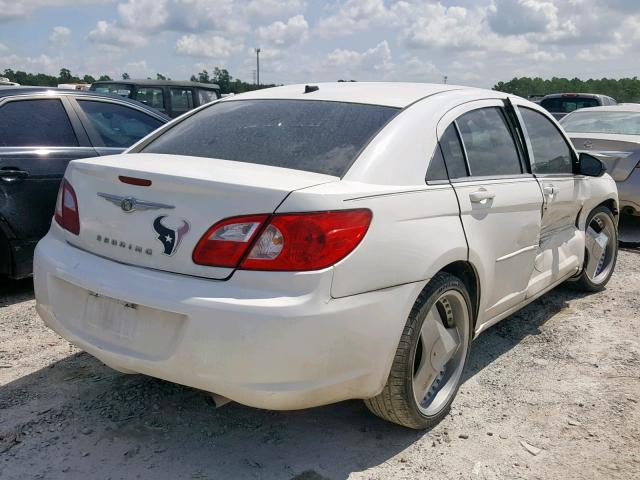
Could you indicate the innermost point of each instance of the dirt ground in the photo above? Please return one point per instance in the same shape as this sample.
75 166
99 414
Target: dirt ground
551 392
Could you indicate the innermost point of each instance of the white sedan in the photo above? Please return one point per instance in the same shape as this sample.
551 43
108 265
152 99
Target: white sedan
303 245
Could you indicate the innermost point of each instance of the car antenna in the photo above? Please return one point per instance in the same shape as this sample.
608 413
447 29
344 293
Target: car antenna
311 88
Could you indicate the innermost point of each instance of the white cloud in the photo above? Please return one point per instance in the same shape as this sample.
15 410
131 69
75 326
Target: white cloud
205 45
110 34
377 58
358 15
3 48
274 8
283 34
41 63
60 35
509 17
14 9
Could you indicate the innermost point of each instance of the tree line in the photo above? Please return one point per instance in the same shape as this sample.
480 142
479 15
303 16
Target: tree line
623 89
219 76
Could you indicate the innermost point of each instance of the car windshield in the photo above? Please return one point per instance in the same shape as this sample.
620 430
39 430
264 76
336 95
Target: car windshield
113 88
311 135
624 123
568 104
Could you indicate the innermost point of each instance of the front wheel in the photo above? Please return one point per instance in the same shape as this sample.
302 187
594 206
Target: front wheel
601 251
427 368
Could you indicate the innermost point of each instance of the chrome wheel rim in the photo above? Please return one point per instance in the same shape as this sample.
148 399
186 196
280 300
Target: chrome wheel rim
600 243
441 352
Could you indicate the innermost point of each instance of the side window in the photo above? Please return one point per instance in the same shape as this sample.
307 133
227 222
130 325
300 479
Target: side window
452 153
118 126
437 172
181 100
152 97
206 96
33 123
490 147
551 153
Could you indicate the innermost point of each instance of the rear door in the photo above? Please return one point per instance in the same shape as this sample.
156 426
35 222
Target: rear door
553 163
113 126
39 135
500 202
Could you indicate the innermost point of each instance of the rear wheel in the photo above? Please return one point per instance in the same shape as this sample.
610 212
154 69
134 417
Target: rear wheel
601 251
427 368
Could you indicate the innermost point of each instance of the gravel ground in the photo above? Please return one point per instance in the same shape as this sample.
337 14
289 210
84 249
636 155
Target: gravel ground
551 392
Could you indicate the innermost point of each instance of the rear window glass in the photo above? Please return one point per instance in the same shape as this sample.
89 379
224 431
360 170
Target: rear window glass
568 104
625 123
310 135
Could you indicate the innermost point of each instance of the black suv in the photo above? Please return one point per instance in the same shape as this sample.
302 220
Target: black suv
169 96
41 130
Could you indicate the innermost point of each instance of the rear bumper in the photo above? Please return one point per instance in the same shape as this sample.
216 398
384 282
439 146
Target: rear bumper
267 340
629 193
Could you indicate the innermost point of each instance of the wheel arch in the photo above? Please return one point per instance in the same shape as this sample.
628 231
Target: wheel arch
467 273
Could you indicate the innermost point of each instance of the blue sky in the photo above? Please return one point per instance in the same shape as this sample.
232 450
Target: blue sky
472 42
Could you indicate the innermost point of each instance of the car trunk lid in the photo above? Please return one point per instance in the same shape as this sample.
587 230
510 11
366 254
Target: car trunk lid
620 153
157 226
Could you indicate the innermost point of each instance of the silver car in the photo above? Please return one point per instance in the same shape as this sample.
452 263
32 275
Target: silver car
561 104
612 134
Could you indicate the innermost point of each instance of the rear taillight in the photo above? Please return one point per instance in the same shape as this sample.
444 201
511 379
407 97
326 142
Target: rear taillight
67 214
284 242
224 244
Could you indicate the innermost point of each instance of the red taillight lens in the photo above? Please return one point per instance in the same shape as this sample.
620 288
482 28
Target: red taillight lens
225 243
67 214
307 241
285 242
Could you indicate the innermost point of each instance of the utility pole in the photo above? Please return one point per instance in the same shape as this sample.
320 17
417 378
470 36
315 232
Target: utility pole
445 79
258 65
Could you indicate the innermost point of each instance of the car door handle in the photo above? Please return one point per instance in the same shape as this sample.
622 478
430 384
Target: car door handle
481 195
549 189
12 174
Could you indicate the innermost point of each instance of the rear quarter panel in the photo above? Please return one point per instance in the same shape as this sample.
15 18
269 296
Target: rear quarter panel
415 231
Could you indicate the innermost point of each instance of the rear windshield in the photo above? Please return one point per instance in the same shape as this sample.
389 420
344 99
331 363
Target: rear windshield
568 104
310 135
113 88
625 123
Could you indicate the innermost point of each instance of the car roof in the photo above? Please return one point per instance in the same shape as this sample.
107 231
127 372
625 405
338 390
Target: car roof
54 91
159 83
620 107
391 94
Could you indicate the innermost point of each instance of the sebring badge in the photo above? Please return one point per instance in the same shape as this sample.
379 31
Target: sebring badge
170 237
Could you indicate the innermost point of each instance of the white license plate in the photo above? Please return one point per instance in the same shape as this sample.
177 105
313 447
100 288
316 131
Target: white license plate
109 316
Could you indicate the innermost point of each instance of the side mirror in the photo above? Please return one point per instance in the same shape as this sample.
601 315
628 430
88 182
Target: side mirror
590 166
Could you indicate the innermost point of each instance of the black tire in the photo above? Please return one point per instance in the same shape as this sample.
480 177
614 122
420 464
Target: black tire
396 403
582 282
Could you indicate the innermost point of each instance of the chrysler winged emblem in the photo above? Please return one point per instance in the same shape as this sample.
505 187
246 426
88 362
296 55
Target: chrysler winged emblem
169 237
131 204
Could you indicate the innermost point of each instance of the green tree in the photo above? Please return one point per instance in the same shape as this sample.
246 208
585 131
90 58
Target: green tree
222 78
159 76
125 76
65 75
104 78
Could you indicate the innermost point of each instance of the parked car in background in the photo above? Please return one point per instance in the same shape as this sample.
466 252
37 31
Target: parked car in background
612 134
302 245
75 86
561 104
41 130
5 82
168 96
